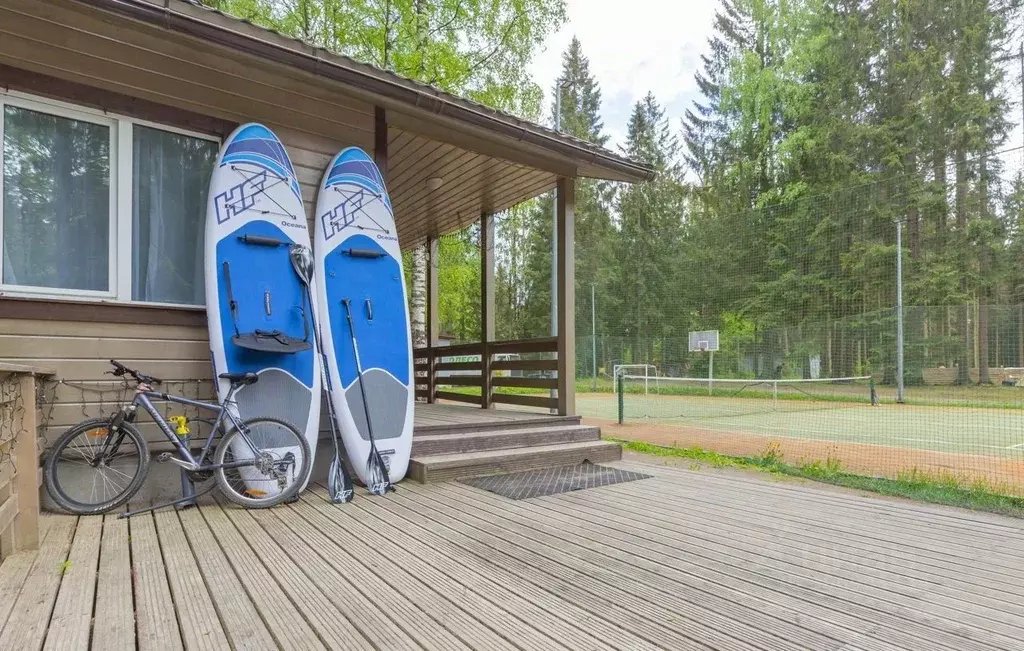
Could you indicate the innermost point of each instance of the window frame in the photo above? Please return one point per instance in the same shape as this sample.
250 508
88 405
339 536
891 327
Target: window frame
121 219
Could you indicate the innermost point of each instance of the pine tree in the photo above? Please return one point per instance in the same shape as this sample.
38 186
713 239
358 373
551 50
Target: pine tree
580 118
651 217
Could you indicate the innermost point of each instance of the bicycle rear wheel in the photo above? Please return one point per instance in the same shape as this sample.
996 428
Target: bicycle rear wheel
276 461
85 474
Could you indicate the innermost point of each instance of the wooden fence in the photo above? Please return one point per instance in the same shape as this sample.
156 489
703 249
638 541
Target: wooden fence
492 366
19 458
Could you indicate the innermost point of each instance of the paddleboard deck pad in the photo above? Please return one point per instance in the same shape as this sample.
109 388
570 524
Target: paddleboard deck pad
257 308
357 259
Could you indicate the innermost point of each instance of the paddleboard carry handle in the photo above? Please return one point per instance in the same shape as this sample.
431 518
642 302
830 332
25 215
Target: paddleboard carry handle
369 310
232 303
364 253
261 240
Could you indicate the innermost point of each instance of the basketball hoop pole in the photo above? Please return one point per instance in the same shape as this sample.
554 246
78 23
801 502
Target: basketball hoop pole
711 372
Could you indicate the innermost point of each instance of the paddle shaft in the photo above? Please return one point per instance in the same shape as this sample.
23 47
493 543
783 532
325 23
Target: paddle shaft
374 453
325 378
359 368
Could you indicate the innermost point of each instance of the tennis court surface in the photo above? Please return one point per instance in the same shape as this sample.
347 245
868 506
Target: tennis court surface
979 436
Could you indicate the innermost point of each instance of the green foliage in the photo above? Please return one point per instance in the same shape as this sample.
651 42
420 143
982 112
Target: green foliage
459 285
477 48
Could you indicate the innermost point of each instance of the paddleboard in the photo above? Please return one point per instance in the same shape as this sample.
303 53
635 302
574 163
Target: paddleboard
256 305
357 258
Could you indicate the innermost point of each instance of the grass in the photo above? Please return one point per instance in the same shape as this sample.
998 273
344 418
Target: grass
912 484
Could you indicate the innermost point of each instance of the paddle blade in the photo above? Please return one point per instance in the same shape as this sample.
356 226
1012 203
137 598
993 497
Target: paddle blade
339 484
302 262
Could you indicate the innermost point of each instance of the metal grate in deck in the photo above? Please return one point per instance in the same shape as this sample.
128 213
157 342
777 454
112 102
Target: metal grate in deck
552 481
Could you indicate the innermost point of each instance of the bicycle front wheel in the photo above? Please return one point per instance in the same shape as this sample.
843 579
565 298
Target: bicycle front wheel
271 461
92 470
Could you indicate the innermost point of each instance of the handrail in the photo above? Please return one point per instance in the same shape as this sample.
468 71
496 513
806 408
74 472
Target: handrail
19 457
481 372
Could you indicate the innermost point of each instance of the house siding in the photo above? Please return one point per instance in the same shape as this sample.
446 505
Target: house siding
101 60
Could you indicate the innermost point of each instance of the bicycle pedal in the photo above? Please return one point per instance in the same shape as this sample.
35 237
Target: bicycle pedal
163 457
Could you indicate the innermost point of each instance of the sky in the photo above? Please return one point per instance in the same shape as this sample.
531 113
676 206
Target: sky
655 46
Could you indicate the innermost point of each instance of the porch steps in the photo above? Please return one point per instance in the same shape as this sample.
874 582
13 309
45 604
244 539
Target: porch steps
473 427
442 444
488 451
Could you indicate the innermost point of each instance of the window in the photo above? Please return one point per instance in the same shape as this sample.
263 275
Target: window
57 203
170 179
100 206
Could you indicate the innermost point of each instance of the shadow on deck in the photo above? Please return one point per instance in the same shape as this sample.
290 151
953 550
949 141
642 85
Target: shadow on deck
684 560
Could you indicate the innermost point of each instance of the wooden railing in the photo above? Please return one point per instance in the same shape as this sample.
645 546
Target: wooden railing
497 366
19 458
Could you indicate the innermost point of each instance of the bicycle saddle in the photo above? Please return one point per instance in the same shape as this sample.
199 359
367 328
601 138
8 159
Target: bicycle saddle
241 378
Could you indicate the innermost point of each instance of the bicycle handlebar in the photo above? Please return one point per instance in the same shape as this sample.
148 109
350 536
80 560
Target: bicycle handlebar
120 370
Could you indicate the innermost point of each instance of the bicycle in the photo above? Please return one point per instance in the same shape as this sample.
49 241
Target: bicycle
258 463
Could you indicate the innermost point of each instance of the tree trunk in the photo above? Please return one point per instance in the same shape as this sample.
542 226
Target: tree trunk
419 254
913 213
939 169
419 296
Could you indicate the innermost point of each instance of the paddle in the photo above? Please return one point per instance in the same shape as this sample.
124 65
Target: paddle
339 484
379 483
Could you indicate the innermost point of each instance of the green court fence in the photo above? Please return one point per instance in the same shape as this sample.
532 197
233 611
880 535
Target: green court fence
808 302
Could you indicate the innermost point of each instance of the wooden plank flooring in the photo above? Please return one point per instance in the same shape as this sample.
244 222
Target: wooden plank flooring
434 418
686 560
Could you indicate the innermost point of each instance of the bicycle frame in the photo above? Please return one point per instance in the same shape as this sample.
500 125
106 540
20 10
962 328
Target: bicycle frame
142 397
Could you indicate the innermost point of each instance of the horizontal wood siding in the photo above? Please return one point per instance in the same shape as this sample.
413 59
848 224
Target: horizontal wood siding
79 353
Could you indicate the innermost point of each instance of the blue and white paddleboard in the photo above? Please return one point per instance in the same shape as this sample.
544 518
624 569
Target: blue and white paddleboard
357 258
255 302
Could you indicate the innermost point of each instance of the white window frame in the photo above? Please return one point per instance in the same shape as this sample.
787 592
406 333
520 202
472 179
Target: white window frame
119 248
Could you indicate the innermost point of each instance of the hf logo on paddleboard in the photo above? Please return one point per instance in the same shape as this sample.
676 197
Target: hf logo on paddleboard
238 199
336 221
344 214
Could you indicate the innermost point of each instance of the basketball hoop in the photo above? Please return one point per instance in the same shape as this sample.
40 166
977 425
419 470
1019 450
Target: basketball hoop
704 341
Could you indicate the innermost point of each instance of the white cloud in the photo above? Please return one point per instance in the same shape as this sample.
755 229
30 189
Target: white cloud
646 45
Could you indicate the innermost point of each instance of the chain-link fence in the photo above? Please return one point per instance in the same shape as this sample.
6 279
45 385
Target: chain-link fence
879 328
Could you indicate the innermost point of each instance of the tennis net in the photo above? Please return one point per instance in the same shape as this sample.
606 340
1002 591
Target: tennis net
659 397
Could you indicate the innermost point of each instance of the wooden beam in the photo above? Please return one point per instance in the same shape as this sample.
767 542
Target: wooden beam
380 140
566 274
527 401
486 303
26 458
433 320
487 277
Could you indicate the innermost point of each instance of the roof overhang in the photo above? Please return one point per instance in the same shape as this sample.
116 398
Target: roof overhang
413 105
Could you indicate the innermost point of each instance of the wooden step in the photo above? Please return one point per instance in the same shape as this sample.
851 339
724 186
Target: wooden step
445 467
436 444
495 425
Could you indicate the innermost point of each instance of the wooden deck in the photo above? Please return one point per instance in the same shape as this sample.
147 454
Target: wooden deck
437 417
687 560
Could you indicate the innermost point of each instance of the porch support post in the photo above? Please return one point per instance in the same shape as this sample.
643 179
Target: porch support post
486 304
566 223
433 328
380 140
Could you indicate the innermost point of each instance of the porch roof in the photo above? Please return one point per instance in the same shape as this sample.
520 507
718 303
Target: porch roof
489 160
